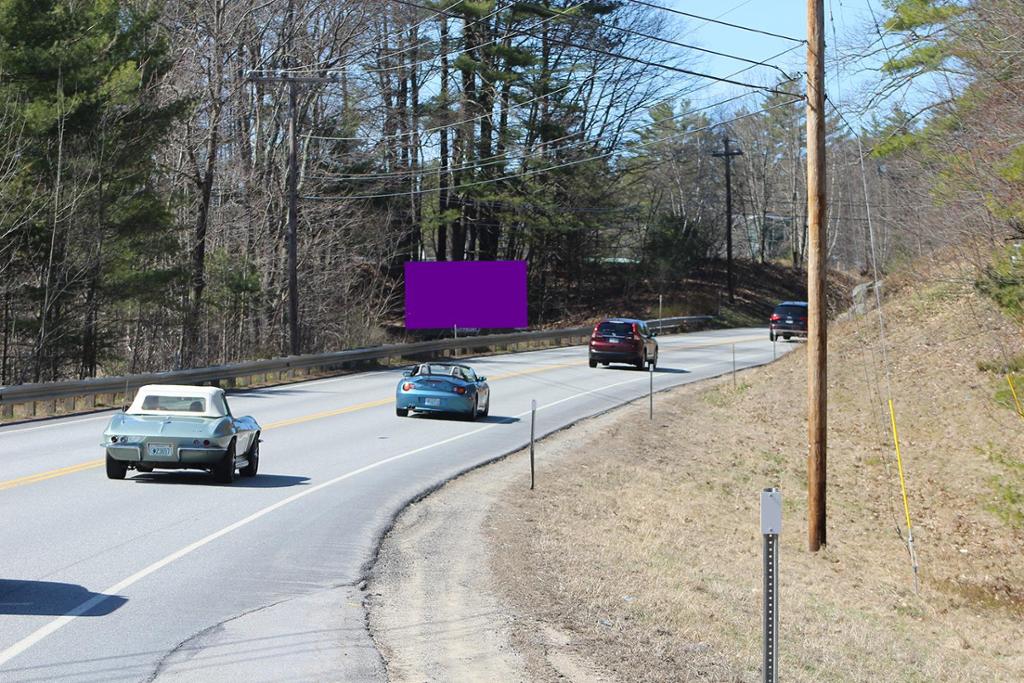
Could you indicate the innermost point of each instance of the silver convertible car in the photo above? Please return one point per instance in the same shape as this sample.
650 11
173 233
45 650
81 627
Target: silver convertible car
182 427
443 388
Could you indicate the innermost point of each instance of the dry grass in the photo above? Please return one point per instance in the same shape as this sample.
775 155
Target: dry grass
645 545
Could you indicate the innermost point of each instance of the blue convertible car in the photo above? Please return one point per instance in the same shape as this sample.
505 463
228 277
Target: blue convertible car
443 388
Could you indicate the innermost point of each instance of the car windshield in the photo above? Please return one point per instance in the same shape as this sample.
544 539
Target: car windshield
608 328
794 311
434 369
178 404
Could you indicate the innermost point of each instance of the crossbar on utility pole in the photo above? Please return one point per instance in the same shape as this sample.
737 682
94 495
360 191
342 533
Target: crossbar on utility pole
817 362
728 155
294 341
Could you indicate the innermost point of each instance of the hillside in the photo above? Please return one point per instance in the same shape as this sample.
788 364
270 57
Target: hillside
651 563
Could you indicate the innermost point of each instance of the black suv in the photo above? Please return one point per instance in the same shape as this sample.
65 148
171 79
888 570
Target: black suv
789 319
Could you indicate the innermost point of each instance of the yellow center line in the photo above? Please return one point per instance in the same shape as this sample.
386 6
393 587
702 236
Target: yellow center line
92 464
33 478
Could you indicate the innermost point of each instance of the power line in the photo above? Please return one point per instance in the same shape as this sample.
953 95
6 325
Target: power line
716 21
637 60
427 131
504 159
516 33
576 162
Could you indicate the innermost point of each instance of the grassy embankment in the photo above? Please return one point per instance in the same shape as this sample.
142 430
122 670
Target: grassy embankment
646 548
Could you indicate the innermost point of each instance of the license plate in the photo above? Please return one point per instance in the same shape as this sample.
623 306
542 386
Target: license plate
614 340
160 450
789 321
431 401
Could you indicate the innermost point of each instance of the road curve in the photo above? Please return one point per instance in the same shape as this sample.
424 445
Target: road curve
168 576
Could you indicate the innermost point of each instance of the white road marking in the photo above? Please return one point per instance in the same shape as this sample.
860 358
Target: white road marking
55 625
56 423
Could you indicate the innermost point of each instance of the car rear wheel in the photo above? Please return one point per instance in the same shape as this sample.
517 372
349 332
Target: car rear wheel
642 363
253 457
116 469
487 407
471 416
402 412
224 471
786 336
593 363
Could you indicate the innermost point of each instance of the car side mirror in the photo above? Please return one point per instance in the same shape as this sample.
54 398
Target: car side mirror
407 373
481 379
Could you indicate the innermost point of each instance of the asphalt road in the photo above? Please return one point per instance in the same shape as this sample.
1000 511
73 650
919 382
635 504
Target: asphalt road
168 576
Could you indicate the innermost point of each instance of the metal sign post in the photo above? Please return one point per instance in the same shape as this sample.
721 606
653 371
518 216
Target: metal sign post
771 527
533 422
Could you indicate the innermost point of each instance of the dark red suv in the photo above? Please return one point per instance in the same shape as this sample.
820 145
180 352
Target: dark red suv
789 319
623 340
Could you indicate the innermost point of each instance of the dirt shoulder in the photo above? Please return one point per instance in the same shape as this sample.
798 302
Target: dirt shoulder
436 611
638 556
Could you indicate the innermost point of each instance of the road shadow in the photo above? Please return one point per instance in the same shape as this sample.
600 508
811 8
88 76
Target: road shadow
671 371
455 417
49 598
199 478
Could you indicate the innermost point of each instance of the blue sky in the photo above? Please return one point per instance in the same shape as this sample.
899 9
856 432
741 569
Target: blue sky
846 23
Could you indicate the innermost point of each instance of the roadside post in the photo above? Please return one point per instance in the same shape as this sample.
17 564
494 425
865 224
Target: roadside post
650 372
660 323
733 366
533 422
773 347
771 527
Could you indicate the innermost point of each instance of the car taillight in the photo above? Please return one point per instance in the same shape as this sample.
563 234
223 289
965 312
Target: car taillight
776 316
459 390
636 332
408 386
803 318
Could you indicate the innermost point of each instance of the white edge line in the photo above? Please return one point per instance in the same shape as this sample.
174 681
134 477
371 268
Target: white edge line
50 628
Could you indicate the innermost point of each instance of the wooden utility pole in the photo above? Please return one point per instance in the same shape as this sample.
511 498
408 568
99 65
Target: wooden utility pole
292 81
817 361
728 155
294 342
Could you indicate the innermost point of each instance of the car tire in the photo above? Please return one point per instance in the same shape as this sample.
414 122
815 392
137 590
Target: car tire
487 407
604 364
253 456
471 416
402 412
593 363
786 336
224 471
642 363
771 336
145 469
115 468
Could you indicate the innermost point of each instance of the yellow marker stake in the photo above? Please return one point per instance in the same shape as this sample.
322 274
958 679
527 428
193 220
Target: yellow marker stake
1016 401
903 489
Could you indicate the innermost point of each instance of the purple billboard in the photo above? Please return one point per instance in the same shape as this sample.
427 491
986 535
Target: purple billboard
441 294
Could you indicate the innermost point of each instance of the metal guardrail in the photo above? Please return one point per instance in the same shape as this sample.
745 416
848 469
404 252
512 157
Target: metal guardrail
290 365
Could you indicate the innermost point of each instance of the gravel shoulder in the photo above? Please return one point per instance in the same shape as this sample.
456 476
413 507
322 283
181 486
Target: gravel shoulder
435 610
